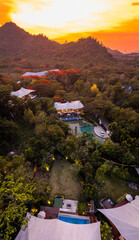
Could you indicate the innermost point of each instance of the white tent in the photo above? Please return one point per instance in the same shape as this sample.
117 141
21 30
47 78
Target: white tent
22 92
54 229
76 105
39 74
68 105
125 218
60 106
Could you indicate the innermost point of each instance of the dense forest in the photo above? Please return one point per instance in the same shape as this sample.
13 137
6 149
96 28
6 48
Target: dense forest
33 137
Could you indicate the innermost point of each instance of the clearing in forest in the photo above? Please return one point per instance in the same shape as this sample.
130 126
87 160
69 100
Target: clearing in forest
64 180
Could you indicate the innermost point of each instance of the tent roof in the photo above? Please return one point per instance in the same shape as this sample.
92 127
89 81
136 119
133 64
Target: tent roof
68 105
39 74
22 92
125 218
54 229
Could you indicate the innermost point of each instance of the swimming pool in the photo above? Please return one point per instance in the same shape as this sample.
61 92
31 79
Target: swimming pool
86 128
74 220
82 126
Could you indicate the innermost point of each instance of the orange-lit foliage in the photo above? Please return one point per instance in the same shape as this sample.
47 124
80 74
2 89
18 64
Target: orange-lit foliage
18 70
54 74
72 70
43 65
27 70
48 79
6 79
23 60
25 77
57 74
44 82
58 98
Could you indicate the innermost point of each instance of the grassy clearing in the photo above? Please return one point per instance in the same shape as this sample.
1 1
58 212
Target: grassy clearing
115 188
64 181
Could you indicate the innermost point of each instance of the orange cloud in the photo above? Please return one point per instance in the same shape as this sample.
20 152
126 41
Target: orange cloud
8 7
5 9
124 38
130 26
135 4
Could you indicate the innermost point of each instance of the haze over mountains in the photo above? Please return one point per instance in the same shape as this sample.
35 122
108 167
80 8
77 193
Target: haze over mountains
118 54
15 42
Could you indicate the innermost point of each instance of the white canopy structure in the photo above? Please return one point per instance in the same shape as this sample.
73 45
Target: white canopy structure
68 105
54 229
39 74
22 92
125 218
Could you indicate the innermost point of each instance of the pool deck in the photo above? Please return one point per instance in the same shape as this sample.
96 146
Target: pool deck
98 130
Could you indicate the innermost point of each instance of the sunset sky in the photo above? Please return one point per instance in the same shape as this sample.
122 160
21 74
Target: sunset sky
114 22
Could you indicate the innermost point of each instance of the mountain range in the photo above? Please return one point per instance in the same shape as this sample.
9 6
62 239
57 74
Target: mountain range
118 54
16 42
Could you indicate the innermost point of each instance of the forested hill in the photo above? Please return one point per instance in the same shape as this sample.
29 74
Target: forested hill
88 49
15 42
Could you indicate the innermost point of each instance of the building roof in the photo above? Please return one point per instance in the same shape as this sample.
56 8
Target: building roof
39 74
125 218
69 206
22 92
68 105
54 229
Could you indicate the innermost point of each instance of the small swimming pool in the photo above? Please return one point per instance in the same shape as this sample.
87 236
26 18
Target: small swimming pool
74 220
86 128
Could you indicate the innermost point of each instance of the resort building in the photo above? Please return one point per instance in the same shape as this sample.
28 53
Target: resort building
69 110
24 93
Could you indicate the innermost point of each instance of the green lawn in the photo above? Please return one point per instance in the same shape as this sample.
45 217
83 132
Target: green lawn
64 181
115 188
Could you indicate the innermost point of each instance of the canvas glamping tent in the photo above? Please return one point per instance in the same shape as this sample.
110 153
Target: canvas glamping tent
68 105
54 229
39 74
22 92
125 218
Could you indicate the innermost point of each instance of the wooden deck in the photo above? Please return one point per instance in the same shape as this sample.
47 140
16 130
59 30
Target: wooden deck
51 212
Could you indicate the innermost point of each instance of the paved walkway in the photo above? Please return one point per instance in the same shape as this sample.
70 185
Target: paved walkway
99 132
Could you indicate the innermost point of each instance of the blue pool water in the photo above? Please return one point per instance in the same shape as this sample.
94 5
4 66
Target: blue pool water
73 220
86 128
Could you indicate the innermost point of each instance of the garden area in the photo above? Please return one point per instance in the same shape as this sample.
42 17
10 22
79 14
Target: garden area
114 188
64 181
